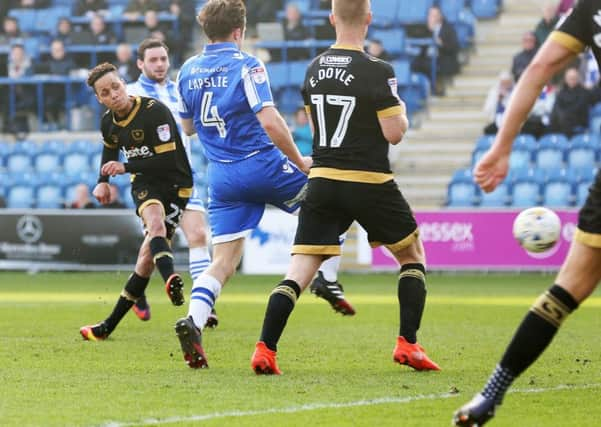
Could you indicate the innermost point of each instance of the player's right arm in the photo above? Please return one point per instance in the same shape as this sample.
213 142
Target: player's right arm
493 167
274 124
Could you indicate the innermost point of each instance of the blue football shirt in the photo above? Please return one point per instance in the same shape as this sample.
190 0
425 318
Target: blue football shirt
221 90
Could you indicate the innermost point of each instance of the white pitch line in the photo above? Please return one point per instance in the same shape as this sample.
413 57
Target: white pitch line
316 406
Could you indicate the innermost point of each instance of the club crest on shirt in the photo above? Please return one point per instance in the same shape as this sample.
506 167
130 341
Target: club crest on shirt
164 132
137 135
258 75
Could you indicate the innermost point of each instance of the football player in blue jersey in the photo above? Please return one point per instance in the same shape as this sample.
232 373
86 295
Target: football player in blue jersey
226 99
154 82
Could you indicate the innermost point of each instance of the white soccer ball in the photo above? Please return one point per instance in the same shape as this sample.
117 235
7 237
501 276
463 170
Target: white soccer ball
537 229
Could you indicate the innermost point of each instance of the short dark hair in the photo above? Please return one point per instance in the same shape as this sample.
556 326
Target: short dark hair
98 71
218 18
150 43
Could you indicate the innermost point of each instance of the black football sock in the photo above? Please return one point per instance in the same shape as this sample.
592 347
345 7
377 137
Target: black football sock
412 298
280 305
162 256
530 340
133 289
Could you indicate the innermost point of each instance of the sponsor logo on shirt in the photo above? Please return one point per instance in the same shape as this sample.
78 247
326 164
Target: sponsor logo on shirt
335 60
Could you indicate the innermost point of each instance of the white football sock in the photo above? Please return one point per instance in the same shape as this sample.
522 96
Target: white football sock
205 291
199 261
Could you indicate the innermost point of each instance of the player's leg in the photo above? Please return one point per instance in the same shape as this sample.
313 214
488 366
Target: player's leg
319 226
279 307
326 285
205 291
287 186
576 280
134 288
194 226
411 294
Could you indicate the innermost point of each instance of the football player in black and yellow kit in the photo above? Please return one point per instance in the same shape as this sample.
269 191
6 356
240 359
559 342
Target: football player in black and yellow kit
581 270
355 114
145 131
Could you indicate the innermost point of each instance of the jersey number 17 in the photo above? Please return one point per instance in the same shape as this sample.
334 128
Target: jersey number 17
348 105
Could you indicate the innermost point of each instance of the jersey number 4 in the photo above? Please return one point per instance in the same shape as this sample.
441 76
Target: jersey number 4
348 105
209 116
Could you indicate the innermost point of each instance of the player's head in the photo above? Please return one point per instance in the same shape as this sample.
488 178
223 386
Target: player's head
223 20
109 87
153 59
350 13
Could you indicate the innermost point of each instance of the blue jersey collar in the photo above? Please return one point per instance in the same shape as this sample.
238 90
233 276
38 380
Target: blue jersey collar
218 47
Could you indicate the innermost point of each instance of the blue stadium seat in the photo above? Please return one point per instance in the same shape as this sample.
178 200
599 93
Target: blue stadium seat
53 146
384 12
461 194
49 196
26 18
520 159
451 9
18 163
500 197
296 72
422 83
477 155
485 8
75 163
46 19
594 140
47 162
278 75
525 141
83 146
557 193
20 196
581 155
581 192
393 40
526 187
413 11
551 152
402 71
290 100
484 142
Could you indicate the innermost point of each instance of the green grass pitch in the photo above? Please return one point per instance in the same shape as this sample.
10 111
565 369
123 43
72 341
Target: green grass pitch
337 371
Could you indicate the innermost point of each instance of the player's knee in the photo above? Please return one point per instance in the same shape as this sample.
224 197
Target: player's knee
156 227
196 237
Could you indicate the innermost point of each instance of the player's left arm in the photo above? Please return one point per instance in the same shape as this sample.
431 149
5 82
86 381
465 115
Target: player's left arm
188 126
390 109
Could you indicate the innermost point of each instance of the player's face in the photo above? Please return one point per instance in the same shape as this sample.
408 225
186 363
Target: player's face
156 64
111 92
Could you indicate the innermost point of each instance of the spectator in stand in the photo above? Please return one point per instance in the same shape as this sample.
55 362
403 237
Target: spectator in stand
376 49
126 63
303 137
137 8
59 64
496 102
81 198
565 6
539 119
570 113
115 198
100 33
447 44
295 30
261 11
547 23
64 31
31 4
90 7
185 11
19 65
10 30
156 30
523 58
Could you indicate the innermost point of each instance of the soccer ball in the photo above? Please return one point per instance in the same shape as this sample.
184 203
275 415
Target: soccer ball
537 229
